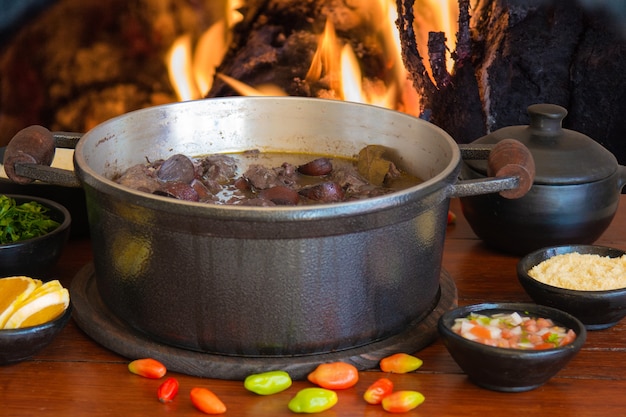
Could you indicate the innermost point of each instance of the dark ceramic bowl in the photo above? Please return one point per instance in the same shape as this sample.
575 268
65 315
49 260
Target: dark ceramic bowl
506 369
17 345
32 257
596 309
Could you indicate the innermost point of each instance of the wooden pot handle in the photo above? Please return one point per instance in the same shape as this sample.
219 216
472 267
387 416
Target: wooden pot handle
32 145
511 158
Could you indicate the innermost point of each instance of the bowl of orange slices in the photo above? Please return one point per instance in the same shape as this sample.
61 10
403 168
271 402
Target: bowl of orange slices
32 314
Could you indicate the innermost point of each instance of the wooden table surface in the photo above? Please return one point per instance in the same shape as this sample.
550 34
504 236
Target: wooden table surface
75 376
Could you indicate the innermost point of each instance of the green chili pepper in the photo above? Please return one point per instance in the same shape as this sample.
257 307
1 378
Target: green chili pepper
313 400
267 383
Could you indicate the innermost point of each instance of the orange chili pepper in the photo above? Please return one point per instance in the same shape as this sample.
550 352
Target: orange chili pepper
168 390
206 401
375 393
334 375
148 368
400 363
402 401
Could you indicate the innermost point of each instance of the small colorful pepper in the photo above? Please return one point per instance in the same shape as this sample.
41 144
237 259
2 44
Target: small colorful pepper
402 401
148 368
168 390
313 400
451 217
206 401
400 363
267 383
375 393
334 375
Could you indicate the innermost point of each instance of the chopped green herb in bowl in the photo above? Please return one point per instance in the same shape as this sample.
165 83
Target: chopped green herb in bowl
33 233
23 221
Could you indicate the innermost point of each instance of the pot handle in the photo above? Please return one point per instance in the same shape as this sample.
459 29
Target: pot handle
509 163
30 152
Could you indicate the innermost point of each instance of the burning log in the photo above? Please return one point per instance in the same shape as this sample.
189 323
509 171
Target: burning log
521 53
453 100
278 43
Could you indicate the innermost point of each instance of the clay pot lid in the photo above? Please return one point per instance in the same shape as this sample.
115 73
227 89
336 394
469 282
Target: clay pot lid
562 156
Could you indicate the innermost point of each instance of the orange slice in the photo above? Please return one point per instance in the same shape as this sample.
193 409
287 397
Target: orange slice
46 287
13 291
44 304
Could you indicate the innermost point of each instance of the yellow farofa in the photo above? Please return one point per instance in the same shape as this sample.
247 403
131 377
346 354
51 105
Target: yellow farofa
583 272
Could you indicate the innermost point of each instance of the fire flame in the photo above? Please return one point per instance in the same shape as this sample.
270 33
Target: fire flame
436 16
192 68
192 74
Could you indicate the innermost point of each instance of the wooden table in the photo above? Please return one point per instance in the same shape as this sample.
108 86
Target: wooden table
74 376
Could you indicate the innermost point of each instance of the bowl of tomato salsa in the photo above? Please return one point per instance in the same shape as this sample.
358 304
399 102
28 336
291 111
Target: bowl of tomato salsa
511 347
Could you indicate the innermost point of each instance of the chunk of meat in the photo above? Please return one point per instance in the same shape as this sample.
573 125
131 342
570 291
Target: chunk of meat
325 192
177 168
141 178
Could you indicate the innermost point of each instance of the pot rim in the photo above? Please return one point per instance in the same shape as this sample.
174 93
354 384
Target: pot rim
443 179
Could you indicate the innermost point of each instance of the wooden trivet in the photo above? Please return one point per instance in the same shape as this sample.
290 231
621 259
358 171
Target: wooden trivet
95 319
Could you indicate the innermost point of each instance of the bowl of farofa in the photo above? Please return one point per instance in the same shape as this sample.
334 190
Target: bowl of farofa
587 281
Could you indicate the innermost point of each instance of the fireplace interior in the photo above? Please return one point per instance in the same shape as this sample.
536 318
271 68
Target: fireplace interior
69 64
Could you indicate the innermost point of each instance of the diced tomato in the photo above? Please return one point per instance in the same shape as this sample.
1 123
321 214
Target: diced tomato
542 346
535 339
544 323
531 325
481 332
569 338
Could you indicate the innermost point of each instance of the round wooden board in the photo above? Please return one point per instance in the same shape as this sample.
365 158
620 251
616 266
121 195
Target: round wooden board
95 319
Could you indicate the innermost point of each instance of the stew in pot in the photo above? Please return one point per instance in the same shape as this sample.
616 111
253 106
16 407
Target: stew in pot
254 178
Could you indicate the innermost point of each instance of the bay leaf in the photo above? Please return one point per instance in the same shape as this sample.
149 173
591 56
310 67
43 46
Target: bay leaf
372 165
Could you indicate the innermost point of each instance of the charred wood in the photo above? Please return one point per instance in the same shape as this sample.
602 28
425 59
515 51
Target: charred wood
276 42
511 54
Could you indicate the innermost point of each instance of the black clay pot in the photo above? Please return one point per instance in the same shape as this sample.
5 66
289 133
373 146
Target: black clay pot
574 196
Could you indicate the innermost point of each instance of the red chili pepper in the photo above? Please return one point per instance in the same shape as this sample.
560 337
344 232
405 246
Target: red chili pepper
400 363
334 375
148 368
451 217
375 393
402 401
168 390
206 401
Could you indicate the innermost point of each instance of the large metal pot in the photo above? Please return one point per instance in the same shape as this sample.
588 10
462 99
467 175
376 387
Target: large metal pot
269 281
